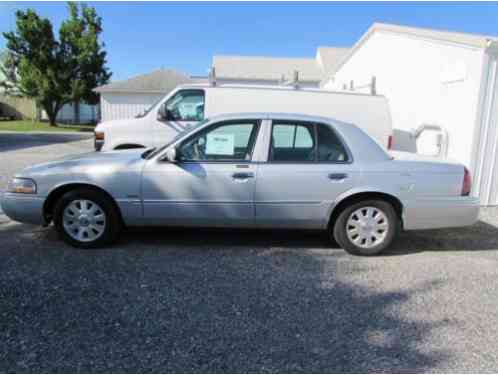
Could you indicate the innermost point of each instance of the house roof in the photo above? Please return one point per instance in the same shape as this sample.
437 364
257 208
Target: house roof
158 81
472 40
267 68
330 57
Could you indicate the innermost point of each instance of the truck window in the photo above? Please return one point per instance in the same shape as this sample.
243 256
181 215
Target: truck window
186 105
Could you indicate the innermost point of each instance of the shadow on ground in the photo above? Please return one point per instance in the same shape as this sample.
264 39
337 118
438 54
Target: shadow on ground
200 301
18 141
480 236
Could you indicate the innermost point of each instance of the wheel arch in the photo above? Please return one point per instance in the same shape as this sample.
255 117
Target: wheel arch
127 146
59 191
355 197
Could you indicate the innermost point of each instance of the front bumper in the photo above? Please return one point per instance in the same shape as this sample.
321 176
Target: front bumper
23 207
98 144
440 212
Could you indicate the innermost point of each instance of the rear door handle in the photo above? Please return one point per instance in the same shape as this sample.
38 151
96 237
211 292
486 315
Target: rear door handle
242 175
337 176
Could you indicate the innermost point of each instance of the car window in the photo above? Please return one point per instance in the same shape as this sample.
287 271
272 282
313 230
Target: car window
292 142
231 141
186 105
330 147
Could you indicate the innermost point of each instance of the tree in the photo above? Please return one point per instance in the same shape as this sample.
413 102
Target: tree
55 72
7 74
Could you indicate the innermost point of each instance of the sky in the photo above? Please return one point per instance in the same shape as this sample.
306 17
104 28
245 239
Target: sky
141 37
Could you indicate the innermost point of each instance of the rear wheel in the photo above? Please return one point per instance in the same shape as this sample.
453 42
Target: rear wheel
86 218
367 227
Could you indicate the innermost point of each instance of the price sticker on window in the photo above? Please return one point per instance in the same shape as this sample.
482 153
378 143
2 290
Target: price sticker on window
220 144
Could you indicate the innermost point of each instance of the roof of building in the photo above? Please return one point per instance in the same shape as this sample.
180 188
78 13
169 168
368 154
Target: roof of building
330 57
158 81
472 40
267 68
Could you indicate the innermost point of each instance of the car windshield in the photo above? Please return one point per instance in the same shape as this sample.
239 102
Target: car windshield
146 111
177 137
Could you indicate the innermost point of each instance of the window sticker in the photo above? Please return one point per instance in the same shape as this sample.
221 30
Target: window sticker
220 144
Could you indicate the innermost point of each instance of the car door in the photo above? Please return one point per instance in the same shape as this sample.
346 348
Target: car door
212 182
308 167
180 112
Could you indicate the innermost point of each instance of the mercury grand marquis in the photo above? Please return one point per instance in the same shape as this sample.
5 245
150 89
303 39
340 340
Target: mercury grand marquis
256 170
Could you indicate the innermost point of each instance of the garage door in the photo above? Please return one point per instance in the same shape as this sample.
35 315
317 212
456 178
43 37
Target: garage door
116 106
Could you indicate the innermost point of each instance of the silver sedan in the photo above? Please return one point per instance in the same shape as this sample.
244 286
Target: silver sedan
258 170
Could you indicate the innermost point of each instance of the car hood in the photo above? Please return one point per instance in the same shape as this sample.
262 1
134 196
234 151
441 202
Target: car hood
87 161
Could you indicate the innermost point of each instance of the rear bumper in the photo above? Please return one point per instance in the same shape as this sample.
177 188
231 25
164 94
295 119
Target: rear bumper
440 213
24 208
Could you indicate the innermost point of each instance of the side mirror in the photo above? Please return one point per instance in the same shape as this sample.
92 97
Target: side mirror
162 112
171 155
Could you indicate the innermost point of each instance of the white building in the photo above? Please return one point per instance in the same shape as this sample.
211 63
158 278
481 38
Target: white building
259 70
128 98
444 79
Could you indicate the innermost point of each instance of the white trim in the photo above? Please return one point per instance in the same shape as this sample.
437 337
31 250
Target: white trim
479 124
484 132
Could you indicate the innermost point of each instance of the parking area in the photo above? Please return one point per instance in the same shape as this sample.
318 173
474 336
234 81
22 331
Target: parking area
241 301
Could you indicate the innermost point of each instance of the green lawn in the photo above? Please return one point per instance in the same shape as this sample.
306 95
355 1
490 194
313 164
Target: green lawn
30 126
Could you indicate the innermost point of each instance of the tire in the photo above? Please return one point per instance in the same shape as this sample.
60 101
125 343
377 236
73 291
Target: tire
372 237
87 219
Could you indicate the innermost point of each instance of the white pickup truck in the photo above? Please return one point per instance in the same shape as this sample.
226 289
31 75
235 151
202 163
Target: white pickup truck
188 105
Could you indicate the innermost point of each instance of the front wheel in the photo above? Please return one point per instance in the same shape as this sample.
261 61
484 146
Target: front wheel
86 218
367 227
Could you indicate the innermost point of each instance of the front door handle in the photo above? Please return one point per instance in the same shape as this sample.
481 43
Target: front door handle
242 175
337 176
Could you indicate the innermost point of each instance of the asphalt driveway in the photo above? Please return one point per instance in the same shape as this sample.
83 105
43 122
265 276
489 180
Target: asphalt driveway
242 301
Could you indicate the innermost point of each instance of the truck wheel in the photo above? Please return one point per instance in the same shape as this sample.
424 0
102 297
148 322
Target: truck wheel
87 219
367 227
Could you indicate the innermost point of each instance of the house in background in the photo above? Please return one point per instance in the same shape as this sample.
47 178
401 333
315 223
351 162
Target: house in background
443 92
20 108
80 113
128 98
259 70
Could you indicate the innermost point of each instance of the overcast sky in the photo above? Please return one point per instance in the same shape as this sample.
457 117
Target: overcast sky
141 37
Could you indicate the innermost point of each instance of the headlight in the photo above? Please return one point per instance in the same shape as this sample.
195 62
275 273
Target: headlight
22 185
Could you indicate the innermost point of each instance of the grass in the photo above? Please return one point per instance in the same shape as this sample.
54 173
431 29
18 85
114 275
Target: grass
31 126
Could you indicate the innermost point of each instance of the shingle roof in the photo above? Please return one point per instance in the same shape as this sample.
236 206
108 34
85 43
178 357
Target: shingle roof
158 81
473 40
266 68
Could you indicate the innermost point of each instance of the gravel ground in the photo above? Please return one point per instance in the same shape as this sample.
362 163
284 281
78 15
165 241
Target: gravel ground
242 301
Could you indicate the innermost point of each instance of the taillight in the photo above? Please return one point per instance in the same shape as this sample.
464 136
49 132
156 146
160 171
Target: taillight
467 182
390 142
